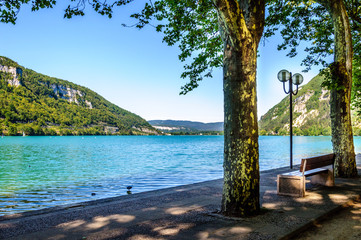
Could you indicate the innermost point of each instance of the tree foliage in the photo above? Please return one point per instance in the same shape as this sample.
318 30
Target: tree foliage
356 85
11 8
298 21
193 25
354 12
307 21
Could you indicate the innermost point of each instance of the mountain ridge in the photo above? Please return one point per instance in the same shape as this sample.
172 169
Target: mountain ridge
35 104
186 126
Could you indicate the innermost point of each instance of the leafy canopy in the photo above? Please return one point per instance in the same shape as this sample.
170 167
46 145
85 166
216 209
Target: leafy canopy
191 24
194 26
10 8
299 21
307 21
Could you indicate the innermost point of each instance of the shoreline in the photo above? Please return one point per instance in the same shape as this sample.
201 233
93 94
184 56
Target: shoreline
183 212
134 195
123 197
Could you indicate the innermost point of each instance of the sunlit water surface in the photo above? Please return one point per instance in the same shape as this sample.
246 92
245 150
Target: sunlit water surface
40 172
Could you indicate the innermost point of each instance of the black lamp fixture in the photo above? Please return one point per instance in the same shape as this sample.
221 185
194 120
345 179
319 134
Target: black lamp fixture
297 79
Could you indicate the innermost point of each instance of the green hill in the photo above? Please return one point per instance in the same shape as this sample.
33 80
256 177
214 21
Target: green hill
35 104
311 113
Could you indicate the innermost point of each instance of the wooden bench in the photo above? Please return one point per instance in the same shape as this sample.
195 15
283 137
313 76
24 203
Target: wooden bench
320 169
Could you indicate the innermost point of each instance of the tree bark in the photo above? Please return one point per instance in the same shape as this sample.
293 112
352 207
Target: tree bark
341 73
241 25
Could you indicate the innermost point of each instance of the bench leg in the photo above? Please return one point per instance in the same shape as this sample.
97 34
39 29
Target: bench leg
291 185
326 179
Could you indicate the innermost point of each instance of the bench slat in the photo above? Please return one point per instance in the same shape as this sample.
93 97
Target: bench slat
315 171
317 162
294 173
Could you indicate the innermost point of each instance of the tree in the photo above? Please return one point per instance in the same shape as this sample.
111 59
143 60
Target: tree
12 130
207 28
326 25
241 25
340 102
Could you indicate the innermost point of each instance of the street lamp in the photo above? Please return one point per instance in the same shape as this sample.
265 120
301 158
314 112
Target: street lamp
286 76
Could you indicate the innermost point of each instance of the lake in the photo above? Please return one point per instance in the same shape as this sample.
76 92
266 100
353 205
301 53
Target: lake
40 172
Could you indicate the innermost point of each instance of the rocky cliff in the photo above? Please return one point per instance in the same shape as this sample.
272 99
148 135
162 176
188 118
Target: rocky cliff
15 74
68 93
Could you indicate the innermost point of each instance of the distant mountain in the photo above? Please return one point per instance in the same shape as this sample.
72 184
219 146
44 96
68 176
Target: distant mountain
311 116
35 104
185 126
311 113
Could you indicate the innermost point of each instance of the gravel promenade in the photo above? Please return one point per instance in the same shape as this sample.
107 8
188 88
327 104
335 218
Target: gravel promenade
185 212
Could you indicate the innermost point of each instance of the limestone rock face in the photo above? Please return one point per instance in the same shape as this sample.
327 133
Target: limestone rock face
89 104
66 92
70 94
16 75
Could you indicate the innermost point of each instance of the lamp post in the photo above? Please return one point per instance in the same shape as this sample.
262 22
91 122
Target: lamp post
286 76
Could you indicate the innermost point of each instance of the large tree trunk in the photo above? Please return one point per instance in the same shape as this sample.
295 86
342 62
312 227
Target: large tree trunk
341 72
241 165
241 24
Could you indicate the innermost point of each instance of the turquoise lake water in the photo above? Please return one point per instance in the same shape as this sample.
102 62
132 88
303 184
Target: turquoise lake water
40 172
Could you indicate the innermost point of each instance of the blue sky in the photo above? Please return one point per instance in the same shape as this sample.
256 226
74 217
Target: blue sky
129 67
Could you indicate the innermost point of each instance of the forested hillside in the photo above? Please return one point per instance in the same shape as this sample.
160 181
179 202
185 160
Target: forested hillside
34 104
311 113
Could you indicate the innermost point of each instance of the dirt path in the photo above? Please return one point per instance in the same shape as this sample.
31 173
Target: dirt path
343 225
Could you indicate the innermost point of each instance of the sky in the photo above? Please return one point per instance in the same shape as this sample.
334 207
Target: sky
131 68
